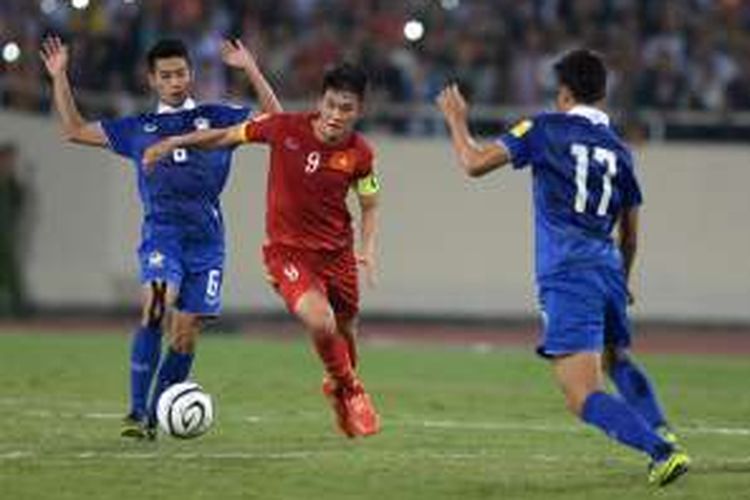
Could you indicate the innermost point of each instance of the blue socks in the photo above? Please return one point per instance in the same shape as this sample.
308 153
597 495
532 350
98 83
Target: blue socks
144 358
620 422
174 368
636 389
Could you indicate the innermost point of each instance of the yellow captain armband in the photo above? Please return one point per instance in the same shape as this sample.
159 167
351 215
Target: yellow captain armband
520 129
239 132
369 185
246 131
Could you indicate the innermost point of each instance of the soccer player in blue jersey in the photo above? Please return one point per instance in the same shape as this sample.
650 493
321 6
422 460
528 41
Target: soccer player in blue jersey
181 254
584 187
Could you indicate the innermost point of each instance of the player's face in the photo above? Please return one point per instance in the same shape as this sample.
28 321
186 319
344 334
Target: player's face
171 79
339 111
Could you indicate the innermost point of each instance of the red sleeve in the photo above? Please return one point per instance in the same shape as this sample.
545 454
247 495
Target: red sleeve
263 128
366 159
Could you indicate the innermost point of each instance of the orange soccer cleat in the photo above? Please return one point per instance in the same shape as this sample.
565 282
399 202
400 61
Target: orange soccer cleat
355 413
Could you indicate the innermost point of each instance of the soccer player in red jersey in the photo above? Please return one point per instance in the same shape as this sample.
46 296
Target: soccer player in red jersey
316 157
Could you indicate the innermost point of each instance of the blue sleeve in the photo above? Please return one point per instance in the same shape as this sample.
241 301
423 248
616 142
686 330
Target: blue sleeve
631 195
121 134
518 142
226 116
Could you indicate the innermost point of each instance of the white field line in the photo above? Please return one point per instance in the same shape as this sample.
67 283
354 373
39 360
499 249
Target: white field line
414 421
458 457
519 426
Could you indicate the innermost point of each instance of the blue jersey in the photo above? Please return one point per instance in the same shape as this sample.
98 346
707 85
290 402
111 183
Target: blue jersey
583 179
181 196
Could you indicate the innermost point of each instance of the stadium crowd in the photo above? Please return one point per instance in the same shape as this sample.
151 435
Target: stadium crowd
665 54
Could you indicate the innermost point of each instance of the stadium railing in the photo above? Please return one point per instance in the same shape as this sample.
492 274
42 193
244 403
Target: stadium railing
422 119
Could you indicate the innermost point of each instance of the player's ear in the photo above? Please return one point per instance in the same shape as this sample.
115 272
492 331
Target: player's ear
151 75
564 99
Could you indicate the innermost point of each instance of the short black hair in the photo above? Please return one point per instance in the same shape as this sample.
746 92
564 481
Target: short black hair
584 73
166 48
346 77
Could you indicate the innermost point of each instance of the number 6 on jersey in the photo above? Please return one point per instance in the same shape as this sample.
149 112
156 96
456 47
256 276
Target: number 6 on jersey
214 282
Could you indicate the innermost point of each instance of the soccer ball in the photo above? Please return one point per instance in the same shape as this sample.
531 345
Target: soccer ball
185 411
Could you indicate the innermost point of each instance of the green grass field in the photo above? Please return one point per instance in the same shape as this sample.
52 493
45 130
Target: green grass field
457 424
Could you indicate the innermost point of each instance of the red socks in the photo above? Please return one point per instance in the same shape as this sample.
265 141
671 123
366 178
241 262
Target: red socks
352 346
334 352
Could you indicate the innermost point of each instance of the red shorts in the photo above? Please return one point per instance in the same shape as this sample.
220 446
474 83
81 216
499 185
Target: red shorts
295 271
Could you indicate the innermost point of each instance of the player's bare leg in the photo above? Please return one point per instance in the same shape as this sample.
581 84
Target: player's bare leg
581 380
184 332
579 376
355 413
145 354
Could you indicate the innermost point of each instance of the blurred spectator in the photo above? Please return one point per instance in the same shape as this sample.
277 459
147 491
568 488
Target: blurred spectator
662 85
526 69
709 72
665 54
12 203
738 90
670 39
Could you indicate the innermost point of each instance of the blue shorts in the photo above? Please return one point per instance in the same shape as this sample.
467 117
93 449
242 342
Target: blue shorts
583 310
195 273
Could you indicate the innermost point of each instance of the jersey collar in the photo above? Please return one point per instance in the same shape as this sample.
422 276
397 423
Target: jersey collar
189 103
594 115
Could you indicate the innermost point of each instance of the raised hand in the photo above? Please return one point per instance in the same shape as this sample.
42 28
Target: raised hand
54 53
235 54
452 103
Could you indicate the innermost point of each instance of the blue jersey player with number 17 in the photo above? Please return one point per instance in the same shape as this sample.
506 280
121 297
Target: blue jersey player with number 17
181 253
584 185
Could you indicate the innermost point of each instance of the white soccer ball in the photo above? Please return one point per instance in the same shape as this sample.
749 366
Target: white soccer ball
185 411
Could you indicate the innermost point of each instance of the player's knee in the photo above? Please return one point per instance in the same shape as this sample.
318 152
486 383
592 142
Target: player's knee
155 305
576 392
186 330
184 340
317 316
321 323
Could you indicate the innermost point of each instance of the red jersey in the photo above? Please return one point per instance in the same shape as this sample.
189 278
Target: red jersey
308 181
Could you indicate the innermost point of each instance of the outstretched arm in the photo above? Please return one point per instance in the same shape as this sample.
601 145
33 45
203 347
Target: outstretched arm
476 159
203 139
628 242
366 257
75 129
235 54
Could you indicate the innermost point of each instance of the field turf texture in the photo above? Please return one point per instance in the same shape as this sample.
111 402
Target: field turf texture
459 422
